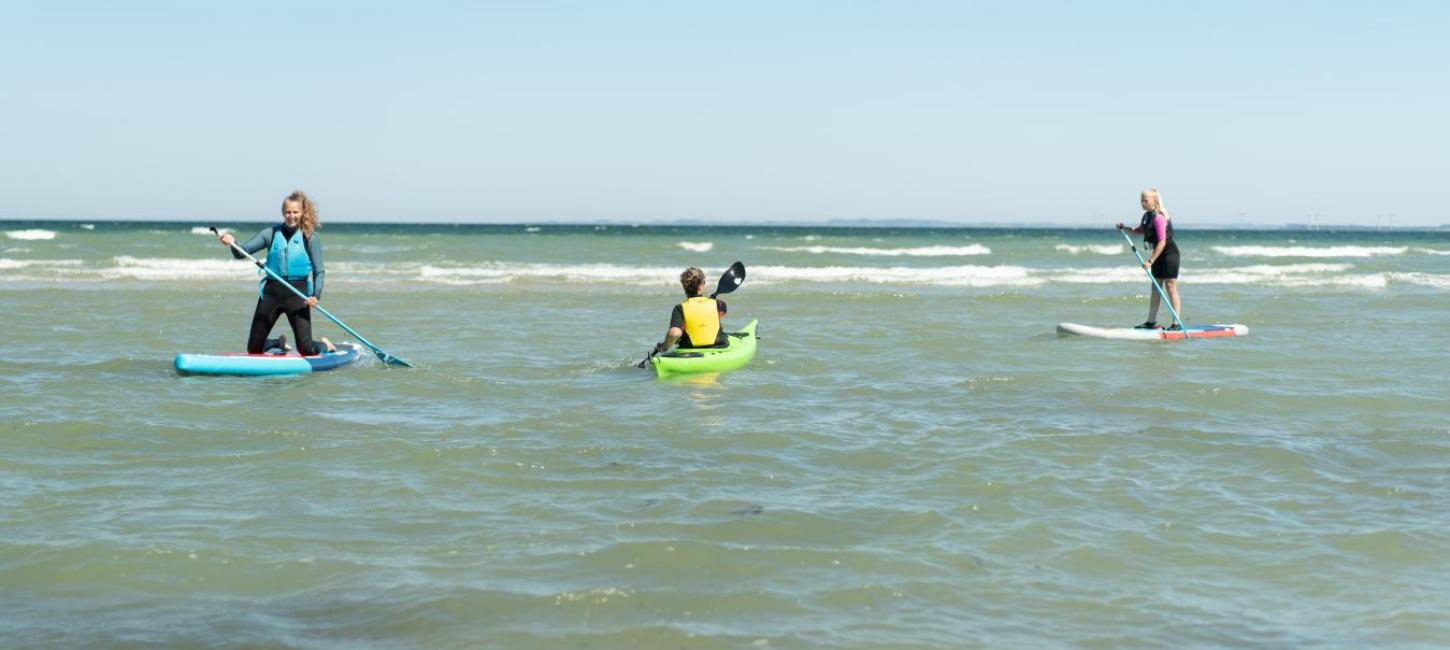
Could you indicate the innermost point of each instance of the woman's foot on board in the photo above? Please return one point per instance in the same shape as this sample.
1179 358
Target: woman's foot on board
1147 325
276 346
328 344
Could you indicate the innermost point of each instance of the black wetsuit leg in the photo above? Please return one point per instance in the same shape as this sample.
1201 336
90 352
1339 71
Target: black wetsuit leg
275 301
301 322
262 320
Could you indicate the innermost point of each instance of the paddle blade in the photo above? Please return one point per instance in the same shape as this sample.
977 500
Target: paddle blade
645 361
391 360
731 279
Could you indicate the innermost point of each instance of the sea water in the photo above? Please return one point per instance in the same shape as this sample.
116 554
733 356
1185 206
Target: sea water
915 459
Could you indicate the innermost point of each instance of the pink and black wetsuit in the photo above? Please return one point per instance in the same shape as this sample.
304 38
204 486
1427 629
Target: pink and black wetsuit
1157 227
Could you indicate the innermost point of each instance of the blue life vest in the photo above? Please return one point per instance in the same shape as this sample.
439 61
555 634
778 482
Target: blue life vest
288 258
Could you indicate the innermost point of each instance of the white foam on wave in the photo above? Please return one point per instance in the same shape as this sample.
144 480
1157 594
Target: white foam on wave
1308 251
532 229
1291 275
6 263
1096 249
1436 280
202 230
946 276
176 268
696 247
975 276
1432 251
496 272
88 226
31 235
920 251
1306 275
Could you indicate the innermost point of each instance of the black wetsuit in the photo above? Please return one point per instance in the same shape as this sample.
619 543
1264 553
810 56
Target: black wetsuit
677 319
1165 267
276 300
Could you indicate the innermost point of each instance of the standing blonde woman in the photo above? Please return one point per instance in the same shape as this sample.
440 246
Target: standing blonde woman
1157 230
294 253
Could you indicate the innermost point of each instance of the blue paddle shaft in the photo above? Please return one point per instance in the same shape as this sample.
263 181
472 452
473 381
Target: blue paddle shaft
387 358
1169 303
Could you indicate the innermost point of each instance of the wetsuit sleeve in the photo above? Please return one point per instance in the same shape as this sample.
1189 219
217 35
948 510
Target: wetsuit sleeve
677 317
314 251
1160 226
262 239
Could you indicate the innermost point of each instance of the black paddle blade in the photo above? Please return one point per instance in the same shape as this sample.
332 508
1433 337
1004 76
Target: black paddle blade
731 279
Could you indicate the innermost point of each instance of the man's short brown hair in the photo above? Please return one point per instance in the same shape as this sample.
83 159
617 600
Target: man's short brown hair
693 280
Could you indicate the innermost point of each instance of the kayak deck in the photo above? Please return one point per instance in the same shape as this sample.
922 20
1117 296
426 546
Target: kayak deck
263 365
740 351
1133 334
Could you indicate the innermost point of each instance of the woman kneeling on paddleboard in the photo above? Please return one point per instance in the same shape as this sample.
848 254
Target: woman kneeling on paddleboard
1157 230
695 323
294 253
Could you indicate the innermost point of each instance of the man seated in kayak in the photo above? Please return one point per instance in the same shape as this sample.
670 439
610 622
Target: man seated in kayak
695 323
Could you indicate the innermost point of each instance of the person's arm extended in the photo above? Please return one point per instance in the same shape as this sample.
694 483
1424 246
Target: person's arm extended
261 240
1157 250
314 251
1160 227
677 330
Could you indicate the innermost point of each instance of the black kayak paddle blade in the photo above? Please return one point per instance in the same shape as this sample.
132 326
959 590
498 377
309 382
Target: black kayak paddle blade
731 279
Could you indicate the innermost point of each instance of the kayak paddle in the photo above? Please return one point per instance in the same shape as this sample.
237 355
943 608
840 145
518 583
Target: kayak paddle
382 356
1166 302
730 280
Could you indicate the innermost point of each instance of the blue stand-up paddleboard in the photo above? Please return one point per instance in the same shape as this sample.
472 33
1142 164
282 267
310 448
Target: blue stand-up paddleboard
261 365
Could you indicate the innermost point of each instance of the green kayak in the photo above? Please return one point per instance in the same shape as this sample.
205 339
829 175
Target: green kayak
691 360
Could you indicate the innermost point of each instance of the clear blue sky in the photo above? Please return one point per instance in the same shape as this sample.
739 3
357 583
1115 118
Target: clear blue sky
789 111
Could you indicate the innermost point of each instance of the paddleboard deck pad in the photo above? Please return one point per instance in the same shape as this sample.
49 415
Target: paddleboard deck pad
262 365
1132 334
740 351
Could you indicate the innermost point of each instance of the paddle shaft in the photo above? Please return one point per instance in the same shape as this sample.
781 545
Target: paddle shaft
1169 303
387 358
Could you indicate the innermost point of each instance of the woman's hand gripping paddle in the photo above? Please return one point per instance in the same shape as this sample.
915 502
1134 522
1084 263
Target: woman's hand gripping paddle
382 356
730 280
1166 302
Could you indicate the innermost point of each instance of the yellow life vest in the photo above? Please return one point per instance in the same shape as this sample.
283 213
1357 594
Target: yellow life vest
702 320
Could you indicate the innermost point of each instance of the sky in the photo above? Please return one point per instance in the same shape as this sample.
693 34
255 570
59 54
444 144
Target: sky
1257 113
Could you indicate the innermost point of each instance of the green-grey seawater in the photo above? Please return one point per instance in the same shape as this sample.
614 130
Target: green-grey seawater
915 459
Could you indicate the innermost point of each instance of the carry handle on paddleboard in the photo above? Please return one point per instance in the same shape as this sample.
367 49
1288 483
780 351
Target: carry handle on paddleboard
382 356
1169 303
730 280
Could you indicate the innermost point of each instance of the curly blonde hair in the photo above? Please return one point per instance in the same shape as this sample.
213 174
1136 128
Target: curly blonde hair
309 220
